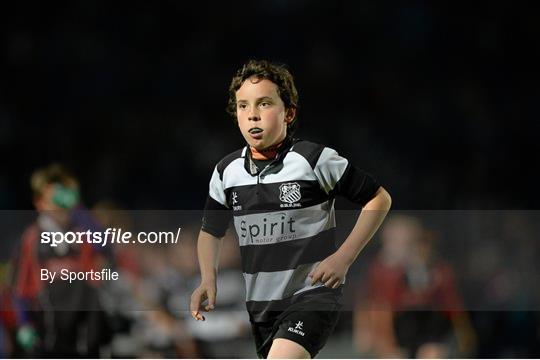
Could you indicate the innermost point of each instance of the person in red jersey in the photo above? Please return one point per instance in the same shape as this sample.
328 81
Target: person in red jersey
56 313
413 306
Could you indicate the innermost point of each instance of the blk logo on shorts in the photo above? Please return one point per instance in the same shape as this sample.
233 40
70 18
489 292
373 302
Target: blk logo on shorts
289 193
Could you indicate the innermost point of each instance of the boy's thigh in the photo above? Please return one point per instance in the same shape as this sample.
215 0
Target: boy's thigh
309 329
287 349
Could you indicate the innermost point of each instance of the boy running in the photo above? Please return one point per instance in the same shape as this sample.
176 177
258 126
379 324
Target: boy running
281 193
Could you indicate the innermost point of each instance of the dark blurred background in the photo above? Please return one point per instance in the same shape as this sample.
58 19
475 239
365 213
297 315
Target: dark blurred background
439 101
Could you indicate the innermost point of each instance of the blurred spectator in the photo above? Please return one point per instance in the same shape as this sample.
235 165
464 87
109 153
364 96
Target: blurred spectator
7 315
56 319
226 328
498 270
139 302
413 309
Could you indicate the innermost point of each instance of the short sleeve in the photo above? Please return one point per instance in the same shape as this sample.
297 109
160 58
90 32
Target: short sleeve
338 177
217 215
216 190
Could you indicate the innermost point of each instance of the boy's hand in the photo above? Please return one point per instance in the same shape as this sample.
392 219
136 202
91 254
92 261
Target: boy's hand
205 291
331 271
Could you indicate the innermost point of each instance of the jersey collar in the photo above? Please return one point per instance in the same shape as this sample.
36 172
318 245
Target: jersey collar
252 168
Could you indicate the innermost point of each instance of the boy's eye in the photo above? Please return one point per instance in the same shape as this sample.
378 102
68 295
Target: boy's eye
265 104
242 106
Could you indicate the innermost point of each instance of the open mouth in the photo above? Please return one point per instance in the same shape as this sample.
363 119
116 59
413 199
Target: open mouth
255 130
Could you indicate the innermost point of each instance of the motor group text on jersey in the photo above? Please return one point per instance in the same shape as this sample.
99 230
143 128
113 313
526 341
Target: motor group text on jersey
109 236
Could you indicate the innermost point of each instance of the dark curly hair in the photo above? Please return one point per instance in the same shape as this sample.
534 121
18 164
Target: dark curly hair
276 73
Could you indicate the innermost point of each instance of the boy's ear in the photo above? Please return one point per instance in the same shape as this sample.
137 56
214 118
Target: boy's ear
290 114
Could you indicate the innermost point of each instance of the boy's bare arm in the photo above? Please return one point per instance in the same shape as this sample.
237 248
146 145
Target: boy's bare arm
368 222
208 249
331 271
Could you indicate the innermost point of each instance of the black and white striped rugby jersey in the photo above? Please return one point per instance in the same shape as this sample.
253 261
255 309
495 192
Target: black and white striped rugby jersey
283 216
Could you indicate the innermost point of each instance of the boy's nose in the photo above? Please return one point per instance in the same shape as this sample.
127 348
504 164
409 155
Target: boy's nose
254 116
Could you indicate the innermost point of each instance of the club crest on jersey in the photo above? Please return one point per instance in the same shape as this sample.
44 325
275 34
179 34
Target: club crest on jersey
289 193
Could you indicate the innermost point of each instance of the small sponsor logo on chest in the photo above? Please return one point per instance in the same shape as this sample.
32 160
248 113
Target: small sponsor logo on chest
234 200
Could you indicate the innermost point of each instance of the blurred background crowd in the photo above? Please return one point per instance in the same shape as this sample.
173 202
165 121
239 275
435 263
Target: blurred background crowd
432 284
437 100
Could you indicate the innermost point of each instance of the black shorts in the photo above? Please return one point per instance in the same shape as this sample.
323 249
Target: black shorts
309 328
416 327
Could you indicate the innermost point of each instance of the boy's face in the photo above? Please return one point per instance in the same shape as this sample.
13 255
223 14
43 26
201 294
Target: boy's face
50 202
261 114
